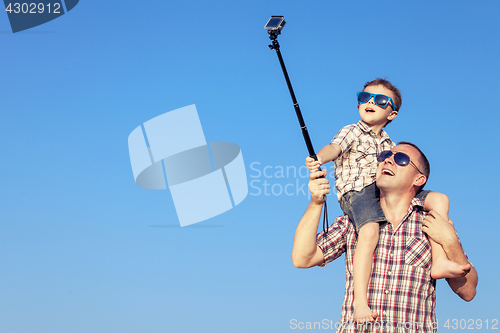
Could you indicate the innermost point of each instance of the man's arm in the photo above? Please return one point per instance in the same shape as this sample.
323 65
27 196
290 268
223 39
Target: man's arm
305 252
465 287
444 233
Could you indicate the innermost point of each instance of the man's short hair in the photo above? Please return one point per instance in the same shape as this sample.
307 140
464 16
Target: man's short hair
424 166
388 85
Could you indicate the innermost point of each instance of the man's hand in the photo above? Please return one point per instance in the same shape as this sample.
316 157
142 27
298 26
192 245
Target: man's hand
444 233
319 187
439 229
312 164
306 253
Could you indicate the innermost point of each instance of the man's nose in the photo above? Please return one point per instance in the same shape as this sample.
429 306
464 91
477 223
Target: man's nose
390 159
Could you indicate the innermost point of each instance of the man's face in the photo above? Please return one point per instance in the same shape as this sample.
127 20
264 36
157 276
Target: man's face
371 113
391 176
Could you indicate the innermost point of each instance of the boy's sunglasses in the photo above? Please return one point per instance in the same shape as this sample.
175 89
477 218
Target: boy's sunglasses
401 159
380 100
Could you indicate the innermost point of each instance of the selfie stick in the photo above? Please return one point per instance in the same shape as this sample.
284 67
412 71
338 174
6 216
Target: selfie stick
274 26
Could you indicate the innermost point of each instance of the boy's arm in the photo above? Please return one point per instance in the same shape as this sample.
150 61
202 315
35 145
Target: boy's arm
329 153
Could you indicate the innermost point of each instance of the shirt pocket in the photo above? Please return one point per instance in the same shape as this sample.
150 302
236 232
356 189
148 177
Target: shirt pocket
418 252
365 154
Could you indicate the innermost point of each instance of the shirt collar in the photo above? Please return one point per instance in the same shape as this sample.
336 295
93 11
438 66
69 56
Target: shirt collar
415 202
384 136
415 205
365 128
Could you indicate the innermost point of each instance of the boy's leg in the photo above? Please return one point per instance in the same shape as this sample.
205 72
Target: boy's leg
362 267
363 209
441 267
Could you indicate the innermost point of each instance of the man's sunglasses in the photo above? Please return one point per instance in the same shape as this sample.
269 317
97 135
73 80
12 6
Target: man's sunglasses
401 159
380 100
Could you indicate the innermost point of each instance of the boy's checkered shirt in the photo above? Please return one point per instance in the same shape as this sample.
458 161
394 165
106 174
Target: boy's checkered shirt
357 166
401 289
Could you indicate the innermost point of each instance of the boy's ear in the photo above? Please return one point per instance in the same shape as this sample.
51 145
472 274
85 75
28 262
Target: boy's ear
393 115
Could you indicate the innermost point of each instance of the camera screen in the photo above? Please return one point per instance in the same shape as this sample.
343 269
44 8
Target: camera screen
273 23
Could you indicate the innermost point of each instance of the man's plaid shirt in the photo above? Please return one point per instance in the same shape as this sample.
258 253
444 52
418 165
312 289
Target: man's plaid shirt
356 167
401 289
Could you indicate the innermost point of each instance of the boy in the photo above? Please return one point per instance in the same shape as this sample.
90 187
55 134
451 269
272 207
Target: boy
355 150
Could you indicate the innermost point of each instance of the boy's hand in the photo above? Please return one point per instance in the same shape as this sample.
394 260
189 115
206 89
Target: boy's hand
312 164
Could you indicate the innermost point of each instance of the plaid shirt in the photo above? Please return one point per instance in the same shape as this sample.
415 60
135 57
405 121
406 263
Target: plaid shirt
401 289
356 167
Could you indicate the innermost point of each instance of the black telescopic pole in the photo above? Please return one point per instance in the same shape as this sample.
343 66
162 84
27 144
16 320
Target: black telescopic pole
276 46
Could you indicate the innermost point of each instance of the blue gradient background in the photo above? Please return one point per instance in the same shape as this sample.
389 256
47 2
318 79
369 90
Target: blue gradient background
83 249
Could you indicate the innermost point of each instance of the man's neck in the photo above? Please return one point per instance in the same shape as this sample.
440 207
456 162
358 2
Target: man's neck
395 206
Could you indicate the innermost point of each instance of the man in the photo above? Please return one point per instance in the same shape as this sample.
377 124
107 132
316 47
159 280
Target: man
401 292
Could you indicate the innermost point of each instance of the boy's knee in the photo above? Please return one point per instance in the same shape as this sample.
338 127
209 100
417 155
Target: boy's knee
369 231
442 199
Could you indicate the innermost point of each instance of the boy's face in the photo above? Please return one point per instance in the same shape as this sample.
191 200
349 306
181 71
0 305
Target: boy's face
374 115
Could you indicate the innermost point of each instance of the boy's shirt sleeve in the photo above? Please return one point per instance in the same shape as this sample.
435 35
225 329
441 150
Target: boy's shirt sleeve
345 138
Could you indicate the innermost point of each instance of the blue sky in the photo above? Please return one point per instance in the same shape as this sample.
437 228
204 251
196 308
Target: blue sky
83 249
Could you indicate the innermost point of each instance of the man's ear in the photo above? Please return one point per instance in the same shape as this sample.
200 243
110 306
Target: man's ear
393 115
420 180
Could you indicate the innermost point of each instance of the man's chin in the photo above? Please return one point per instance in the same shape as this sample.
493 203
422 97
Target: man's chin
383 184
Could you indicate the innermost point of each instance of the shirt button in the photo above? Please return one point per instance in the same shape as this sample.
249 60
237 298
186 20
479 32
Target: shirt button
390 272
384 312
387 291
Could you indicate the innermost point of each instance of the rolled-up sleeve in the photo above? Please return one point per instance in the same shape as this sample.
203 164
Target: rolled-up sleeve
333 243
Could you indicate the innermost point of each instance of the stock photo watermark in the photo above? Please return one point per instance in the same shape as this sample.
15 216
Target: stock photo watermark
281 180
205 179
327 324
449 324
29 14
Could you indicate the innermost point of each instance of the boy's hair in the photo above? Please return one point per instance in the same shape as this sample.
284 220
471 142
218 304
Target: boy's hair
425 167
388 85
